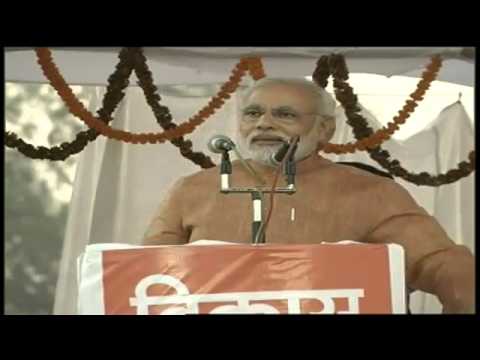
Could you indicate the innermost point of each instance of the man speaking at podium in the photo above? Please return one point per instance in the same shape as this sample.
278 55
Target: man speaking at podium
332 203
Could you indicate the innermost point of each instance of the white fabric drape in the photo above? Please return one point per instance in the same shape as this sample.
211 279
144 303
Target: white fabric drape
119 186
207 65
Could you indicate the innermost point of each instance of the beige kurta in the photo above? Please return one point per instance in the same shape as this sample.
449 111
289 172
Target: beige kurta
333 202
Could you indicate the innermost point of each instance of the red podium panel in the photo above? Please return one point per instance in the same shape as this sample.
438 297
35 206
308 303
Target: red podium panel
337 278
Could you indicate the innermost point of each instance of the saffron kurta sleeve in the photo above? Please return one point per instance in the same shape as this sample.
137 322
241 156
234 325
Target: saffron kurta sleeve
434 263
166 227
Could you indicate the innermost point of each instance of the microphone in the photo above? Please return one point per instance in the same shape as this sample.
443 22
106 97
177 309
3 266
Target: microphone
277 158
220 143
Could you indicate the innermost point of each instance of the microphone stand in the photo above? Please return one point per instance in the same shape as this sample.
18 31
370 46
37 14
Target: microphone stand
290 169
225 171
257 192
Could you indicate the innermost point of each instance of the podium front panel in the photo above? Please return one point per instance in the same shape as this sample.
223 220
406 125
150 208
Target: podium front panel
243 279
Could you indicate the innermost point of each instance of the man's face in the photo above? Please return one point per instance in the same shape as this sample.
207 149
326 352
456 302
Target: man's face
272 115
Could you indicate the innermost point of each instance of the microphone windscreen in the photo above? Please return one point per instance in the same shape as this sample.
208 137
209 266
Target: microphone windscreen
278 157
220 143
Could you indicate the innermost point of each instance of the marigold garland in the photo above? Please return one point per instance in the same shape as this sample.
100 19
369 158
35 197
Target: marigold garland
383 134
335 65
117 82
133 59
76 107
162 113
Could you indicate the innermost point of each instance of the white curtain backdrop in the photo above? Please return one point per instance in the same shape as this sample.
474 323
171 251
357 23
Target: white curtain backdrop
206 65
119 186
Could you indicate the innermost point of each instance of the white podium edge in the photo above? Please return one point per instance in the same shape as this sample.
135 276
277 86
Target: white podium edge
396 256
90 281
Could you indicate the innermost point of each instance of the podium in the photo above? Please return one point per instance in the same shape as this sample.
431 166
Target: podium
227 278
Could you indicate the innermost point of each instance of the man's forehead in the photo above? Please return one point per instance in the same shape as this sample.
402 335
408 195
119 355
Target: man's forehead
276 96
276 107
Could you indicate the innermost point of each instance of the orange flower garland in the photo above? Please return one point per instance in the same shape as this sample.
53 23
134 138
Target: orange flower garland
326 66
385 133
335 65
44 56
117 82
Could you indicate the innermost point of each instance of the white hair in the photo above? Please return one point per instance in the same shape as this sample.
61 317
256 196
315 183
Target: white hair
324 102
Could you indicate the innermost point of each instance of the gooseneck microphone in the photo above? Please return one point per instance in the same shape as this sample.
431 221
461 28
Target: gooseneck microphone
276 159
220 143
223 144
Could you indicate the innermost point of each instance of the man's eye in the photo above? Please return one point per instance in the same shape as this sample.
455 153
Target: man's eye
253 113
287 115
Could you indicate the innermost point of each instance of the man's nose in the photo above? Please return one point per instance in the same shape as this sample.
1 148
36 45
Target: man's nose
265 121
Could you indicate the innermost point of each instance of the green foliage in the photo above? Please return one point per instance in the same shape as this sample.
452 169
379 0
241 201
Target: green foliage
34 219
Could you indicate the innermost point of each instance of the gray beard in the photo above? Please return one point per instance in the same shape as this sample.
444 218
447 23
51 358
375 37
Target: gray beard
263 154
